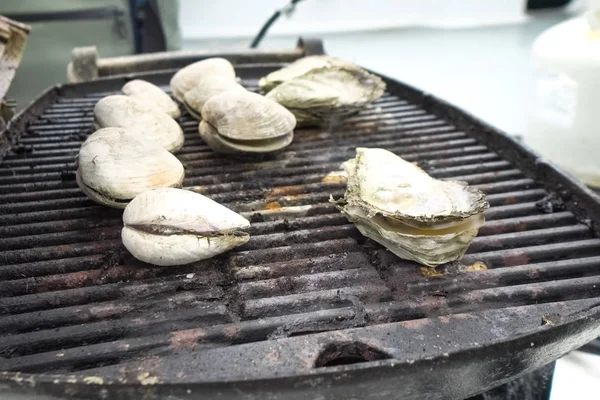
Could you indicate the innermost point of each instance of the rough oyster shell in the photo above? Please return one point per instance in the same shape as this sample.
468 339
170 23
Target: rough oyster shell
326 94
115 166
174 227
414 215
139 118
241 121
207 87
299 68
187 77
145 91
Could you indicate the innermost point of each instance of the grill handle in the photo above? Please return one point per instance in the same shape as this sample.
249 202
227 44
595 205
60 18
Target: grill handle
87 65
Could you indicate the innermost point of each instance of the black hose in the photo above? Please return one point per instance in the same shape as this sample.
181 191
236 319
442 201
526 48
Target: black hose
265 28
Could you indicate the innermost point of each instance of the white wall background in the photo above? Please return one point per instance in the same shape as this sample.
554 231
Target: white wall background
209 19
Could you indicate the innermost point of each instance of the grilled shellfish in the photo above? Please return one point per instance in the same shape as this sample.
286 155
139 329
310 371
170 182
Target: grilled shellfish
245 122
174 227
299 68
327 94
145 91
414 215
139 118
187 77
207 87
115 166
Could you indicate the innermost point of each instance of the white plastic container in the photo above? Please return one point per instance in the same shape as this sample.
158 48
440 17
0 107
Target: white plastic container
564 125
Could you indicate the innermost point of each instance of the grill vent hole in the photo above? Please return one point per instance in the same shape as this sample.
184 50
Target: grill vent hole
347 353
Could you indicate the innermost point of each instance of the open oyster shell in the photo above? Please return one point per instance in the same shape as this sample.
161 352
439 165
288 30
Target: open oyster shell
145 91
139 118
326 94
414 215
245 122
187 77
299 68
207 87
174 227
115 166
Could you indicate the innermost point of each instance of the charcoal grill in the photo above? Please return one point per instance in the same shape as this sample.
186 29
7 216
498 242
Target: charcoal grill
308 308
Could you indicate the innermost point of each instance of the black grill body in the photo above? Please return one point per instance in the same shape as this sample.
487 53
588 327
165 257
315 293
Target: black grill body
308 308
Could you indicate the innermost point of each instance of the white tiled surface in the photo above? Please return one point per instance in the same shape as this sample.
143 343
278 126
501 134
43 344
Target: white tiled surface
486 72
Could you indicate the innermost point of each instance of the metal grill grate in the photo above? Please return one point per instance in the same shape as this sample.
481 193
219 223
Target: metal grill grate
73 300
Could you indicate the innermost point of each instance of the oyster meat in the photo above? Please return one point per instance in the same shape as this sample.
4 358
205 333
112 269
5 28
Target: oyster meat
187 77
115 166
245 122
299 68
174 227
415 216
139 118
145 91
326 94
207 87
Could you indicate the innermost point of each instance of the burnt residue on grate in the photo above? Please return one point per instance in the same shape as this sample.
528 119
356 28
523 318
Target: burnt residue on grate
72 299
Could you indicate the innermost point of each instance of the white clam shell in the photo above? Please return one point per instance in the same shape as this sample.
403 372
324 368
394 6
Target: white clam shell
222 144
242 121
174 227
139 118
187 77
145 91
247 116
207 87
115 166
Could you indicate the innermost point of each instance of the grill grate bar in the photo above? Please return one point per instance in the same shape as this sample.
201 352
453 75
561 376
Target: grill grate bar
109 310
514 275
113 291
104 331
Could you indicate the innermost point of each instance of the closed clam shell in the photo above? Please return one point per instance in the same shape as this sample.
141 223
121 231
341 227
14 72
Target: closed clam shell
207 87
247 116
146 91
187 77
115 166
174 227
139 118
222 144
298 68
325 94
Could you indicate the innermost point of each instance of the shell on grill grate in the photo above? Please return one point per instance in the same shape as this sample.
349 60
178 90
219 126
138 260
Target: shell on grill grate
326 94
145 91
114 167
414 215
139 118
207 87
189 76
245 122
299 68
175 227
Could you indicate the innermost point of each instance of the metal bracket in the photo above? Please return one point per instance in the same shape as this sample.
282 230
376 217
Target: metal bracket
86 63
